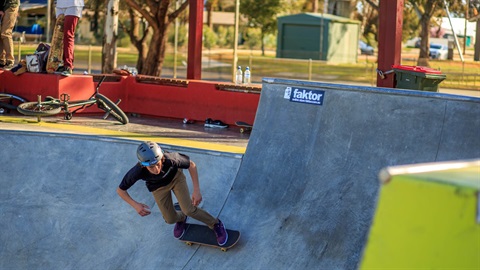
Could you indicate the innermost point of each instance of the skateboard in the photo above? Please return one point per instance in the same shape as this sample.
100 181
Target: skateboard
204 236
244 127
55 56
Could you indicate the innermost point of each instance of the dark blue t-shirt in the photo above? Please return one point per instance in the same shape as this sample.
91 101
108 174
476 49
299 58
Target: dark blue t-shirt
173 162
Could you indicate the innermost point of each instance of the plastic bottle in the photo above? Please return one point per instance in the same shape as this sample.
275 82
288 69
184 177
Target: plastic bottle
238 76
247 76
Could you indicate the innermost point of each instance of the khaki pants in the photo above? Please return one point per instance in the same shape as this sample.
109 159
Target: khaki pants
179 186
6 40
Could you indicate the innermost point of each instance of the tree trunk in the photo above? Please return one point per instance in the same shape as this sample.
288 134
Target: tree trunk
156 53
109 51
158 19
314 6
425 42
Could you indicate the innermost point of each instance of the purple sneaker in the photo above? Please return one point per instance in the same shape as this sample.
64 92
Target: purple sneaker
179 229
222 235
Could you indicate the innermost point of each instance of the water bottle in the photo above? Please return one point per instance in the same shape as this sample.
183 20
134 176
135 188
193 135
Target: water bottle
238 76
246 77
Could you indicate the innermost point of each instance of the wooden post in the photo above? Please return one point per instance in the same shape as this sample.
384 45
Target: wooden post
195 33
389 39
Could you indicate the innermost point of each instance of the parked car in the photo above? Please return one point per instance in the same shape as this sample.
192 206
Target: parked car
413 43
438 51
365 48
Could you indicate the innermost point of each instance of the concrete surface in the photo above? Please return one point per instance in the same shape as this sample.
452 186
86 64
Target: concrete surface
303 195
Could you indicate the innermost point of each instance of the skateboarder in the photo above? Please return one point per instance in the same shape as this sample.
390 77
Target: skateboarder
8 17
72 9
162 172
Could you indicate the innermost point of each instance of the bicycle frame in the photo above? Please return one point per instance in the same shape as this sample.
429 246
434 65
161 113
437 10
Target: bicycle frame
64 98
52 106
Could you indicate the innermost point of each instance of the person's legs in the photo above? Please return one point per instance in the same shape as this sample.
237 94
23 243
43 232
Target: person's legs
179 186
69 40
163 198
6 49
180 189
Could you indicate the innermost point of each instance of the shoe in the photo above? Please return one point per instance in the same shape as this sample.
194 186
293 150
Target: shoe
221 233
66 72
215 123
8 66
179 229
59 70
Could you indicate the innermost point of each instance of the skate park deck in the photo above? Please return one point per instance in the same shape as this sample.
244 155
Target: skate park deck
303 194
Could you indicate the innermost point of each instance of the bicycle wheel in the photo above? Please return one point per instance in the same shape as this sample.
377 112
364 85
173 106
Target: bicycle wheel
39 109
10 102
108 106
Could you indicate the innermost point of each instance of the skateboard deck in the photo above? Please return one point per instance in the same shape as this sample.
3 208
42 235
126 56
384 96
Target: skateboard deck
55 56
202 235
244 127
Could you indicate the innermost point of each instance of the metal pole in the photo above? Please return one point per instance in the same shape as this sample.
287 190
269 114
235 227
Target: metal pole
235 41
89 67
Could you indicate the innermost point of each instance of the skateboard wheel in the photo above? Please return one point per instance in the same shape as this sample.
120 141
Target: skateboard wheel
189 243
242 130
224 249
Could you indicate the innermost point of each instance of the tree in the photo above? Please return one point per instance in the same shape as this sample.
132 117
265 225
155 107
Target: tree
426 10
158 16
368 15
138 31
109 52
210 5
262 15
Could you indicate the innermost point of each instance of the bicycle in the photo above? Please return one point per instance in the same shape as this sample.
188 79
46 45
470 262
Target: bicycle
9 102
52 106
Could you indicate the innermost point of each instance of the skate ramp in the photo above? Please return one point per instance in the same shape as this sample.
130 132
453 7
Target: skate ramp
306 191
59 208
303 195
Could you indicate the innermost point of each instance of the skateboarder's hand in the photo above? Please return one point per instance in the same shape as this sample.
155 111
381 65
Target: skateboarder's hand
196 198
142 209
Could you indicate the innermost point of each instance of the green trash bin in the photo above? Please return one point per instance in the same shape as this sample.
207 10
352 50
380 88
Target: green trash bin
417 78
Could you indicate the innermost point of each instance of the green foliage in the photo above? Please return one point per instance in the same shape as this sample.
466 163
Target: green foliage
182 35
253 38
411 22
225 37
209 37
270 41
262 14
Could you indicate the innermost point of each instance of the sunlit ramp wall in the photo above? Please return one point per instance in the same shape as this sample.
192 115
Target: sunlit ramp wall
306 190
427 218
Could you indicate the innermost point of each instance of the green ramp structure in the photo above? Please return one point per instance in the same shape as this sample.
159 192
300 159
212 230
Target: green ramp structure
427 218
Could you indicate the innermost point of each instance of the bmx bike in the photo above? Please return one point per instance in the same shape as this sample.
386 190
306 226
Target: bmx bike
9 102
52 106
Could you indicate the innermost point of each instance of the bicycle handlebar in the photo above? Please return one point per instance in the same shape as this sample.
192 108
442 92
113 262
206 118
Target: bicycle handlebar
100 82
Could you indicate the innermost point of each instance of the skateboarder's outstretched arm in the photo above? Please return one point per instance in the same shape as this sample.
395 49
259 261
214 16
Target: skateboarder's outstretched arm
196 195
142 209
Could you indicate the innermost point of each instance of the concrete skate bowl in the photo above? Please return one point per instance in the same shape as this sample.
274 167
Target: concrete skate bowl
303 195
59 208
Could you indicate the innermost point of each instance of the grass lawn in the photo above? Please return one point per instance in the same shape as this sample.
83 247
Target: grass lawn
459 75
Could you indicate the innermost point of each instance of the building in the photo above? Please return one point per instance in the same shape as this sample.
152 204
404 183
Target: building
319 37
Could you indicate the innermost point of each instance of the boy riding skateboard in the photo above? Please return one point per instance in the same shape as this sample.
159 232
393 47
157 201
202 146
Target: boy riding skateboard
162 172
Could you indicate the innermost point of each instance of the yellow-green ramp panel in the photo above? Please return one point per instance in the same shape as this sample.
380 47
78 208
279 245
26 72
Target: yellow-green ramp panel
427 218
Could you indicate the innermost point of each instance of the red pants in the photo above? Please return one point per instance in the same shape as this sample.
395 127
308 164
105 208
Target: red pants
69 40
